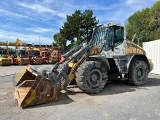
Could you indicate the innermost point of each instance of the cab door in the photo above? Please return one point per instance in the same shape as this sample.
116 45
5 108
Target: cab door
115 45
119 43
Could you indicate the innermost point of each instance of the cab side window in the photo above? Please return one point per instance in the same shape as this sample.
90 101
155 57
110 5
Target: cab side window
119 35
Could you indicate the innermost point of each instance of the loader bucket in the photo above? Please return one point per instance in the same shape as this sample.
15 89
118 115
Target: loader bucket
32 89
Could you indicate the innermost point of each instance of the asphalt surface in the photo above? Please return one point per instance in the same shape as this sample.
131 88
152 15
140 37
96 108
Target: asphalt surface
118 101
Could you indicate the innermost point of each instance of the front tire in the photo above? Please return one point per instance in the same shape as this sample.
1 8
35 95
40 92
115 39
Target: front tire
91 77
138 72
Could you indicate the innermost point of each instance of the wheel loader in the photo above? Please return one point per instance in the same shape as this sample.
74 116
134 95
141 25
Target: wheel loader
108 56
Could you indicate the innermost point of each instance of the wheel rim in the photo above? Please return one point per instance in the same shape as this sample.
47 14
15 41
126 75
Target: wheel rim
95 77
140 73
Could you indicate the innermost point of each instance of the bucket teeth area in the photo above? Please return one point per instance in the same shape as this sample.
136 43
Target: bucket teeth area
33 89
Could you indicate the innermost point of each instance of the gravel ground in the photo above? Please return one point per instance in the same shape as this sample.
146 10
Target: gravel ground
118 101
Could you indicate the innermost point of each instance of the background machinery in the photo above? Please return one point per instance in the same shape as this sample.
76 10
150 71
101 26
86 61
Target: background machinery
4 59
108 56
34 56
55 55
17 43
17 56
45 54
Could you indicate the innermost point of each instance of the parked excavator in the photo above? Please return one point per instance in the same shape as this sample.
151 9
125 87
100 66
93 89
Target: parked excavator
108 56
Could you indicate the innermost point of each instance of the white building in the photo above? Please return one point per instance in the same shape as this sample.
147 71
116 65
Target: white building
152 49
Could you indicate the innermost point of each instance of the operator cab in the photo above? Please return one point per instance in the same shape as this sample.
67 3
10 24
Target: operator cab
113 36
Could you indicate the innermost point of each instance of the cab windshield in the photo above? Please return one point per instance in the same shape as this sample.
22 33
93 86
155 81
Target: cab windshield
113 35
100 34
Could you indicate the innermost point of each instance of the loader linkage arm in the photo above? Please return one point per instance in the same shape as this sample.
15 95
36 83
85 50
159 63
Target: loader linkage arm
63 66
60 72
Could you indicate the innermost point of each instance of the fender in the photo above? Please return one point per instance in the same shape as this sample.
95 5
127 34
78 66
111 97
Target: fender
101 59
137 57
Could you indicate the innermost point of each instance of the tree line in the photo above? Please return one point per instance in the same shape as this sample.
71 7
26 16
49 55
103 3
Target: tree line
144 24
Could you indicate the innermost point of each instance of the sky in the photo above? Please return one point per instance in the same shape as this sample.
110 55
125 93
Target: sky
36 21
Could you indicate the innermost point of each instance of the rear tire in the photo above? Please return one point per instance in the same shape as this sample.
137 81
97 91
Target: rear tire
138 72
91 77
